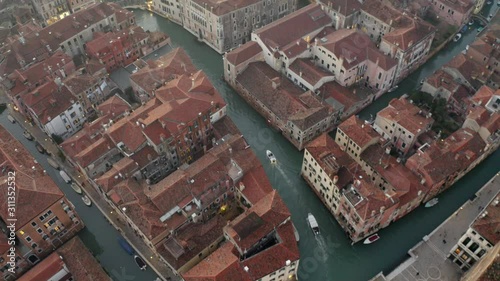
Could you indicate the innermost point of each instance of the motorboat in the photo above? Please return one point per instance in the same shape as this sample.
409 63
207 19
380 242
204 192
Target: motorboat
457 37
371 239
140 262
126 246
39 147
65 176
11 119
86 200
313 223
271 156
76 188
431 202
53 163
27 135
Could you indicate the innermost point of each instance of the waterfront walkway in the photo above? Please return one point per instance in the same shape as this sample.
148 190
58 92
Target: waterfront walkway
428 259
127 232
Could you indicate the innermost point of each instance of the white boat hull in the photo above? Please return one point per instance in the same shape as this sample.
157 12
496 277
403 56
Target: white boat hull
371 239
86 200
65 176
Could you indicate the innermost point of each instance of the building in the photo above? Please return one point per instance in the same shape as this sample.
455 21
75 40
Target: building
223 25
483 116
443 162
344 13
354 136
51 11
299 116
468 72
46 219
479 239
456 12
77 5
67 35
55 110
402 123
486 269
72 261
121 48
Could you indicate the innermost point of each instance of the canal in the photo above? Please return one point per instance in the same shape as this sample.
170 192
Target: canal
98 235
331 256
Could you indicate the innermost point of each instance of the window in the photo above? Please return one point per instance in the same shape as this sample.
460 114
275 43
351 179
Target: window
33 223
44 216
28 238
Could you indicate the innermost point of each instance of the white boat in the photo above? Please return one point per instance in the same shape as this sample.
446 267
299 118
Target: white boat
271 156
53 163
11 119
76 188
371 239
27 135
431 202
65 176
313 223
393 88
86 200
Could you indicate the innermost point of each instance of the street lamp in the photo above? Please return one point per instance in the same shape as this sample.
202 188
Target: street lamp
124 209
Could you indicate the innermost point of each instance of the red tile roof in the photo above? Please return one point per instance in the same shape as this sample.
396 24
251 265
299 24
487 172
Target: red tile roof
358 131
293 27
243 53
489 225
127 132
48 101
223 7
32 184
46 269
441 79
407 115
308 71
344 7
93 152
408 32
114 106
80 262
482 96
256 185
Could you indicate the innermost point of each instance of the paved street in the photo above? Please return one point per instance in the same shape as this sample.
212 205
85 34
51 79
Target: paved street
428 259
128 233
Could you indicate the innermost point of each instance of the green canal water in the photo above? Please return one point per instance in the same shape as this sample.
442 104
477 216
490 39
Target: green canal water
329 256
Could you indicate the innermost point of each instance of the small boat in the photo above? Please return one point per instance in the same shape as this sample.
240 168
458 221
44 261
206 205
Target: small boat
271 156
393 88
65 176
313 223
76 188
431 202
371 239
86 200
53 163
126 246
11 119
140 263
39 147
27 135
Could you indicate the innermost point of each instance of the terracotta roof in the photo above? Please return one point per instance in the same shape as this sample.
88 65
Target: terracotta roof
441 79
258 221
124 168
163 70
461 6
293 27
40 71
483 95
93 152
407 32
493 123
279 94
358 131
381 10
78 83
80 262
243 53
48 101
45 269
489 226
223 7
479 114
127 132
308 71
114 106
83 138
256 185
469 69
32 183
407 115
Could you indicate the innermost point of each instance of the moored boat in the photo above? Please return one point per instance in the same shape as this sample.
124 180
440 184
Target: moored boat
140 262
53 163
126 246
313 223
76 188
431 202
371 239
65 176
39 147
86 200
271 156
11 119
27 135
